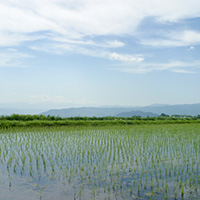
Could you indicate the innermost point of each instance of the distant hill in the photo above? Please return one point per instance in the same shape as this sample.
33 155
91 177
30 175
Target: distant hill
184 109
136 113
87 112
30 108
153 110
46 109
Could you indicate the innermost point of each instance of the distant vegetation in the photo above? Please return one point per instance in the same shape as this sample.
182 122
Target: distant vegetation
42 120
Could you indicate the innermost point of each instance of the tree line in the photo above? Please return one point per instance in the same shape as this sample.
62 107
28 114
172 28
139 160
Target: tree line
20 117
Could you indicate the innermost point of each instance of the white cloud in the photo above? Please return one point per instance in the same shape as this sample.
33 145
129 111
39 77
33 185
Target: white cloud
62 48
53 48
12 58
104 44
173 66
182 71
79 18
178 38
81 26
125 58
12 50
114 44
192 47
188 36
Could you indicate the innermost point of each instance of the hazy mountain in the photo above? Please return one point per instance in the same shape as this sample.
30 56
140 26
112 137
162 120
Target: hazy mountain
31 108
186 109
136 113
87 111
49 108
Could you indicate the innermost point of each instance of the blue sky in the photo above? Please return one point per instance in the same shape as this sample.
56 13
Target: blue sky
93 53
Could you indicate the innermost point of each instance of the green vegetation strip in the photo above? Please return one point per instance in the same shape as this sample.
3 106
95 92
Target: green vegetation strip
17 120
42 123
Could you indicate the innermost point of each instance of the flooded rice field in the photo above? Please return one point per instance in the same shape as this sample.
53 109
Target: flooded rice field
116 162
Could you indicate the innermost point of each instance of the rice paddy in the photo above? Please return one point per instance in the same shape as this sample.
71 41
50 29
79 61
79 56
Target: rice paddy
116 162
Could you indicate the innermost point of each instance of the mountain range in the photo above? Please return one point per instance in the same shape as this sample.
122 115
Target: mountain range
118 111
151 111
97 112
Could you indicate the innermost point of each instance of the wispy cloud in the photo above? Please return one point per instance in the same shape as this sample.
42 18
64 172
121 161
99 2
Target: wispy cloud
80 18
125 58
8 38
103 44
191 48
12 58
175 38
100 52
173 66
92 27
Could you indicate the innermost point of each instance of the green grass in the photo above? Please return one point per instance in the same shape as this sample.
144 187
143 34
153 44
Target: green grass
89 122
17 120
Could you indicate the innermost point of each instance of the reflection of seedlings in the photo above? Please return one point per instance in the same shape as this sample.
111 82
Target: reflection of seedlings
9 163
9 183
80 192
182 191
14 168
31 170
175 194
40 193
37 162
44 162
22 170
52 167
138 189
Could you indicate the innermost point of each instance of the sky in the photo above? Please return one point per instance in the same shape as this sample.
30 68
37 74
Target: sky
100 52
